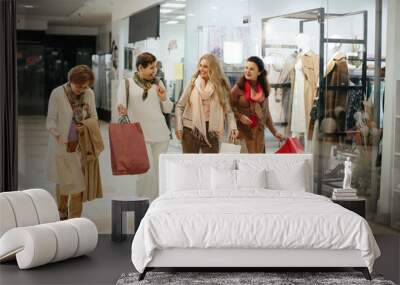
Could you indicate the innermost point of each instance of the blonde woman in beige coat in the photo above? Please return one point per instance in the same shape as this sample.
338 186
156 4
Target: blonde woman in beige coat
68 105
204 108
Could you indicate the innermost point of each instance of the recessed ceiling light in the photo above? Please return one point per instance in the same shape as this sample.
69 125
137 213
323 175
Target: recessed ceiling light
214 8
180 17
173 5
165 11
172 22
26 6
191 15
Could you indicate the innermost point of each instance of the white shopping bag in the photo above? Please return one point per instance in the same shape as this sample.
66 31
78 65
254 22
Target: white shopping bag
230 148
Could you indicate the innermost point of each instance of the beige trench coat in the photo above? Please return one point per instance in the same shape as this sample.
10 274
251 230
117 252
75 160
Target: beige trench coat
311 74
65 168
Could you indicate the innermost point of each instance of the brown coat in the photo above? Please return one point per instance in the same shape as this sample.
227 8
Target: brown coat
254 137
311 74
91 145
337 74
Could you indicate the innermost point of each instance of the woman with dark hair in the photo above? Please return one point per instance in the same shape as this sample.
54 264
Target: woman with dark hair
147 101
250 104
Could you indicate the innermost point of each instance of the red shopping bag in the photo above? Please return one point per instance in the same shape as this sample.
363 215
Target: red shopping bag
291 145
128 149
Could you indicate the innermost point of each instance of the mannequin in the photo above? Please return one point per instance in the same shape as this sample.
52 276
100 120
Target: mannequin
304 80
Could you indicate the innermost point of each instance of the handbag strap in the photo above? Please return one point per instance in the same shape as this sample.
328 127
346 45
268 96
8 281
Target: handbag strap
127 91
125 118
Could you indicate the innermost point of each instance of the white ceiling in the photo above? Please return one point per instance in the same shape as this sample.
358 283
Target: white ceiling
171 16
89 13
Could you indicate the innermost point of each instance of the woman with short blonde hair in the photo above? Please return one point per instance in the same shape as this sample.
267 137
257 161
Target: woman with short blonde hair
203 108
69 105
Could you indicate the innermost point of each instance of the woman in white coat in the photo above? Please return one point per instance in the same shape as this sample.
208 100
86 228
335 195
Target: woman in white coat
69 104
147 103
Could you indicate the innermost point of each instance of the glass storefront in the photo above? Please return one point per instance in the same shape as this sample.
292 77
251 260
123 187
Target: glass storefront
327 82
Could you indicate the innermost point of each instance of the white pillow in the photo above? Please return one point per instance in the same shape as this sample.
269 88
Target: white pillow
251 178
183 177
223 179
291 179
291 173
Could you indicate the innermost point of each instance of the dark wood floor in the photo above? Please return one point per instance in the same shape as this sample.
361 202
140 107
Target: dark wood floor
110 260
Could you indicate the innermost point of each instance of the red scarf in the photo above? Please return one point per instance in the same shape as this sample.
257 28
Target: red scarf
253 95
256 96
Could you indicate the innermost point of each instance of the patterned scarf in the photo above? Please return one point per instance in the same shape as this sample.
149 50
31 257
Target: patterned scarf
144 84
80 111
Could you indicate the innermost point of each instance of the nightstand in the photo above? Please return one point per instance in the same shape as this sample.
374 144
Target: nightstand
118 219
356 205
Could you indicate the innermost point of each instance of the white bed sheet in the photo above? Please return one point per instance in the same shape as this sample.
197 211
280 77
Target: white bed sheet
250 218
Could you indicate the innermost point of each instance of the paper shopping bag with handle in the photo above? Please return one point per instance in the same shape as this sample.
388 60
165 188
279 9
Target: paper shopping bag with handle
291 145
230 147
128 149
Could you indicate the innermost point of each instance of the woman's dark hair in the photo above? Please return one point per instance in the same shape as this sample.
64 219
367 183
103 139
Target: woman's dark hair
262 78
145 59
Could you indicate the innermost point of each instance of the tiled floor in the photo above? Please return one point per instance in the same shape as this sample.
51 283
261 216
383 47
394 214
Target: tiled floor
32 148
32 165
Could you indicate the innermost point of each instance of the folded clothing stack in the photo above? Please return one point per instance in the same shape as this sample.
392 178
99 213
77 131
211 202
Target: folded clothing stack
344 194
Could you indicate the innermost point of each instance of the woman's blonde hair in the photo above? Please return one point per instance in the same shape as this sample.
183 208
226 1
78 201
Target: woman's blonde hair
217 77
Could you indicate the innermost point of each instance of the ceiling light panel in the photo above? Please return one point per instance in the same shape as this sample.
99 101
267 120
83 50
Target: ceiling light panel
173 5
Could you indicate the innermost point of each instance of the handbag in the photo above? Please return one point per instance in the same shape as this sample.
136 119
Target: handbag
127 145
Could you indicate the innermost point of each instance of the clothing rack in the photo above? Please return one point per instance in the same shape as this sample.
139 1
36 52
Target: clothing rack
320 16
280 85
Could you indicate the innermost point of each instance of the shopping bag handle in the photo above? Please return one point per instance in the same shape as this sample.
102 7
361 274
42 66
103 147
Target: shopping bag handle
124 119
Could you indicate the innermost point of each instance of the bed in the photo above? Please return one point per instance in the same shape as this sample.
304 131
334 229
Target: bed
246 211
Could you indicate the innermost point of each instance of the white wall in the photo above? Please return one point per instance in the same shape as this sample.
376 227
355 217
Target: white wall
392 75
169 58
221 13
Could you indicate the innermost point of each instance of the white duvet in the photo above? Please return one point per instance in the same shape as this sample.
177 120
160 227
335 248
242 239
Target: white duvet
253 218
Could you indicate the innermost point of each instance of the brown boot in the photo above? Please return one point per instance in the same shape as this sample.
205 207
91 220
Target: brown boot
62 203
75 205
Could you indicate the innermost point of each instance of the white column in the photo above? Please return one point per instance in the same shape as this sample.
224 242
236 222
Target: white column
392 75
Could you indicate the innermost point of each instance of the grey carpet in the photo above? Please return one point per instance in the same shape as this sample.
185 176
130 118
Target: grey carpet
243 278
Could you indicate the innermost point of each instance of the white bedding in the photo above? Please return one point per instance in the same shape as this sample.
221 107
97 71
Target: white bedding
251 218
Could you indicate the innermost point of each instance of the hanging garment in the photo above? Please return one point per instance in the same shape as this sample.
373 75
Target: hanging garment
354 103
310 68
337 75
279 96
298 123
91 145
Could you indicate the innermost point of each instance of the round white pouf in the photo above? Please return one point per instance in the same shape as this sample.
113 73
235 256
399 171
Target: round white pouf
52 242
